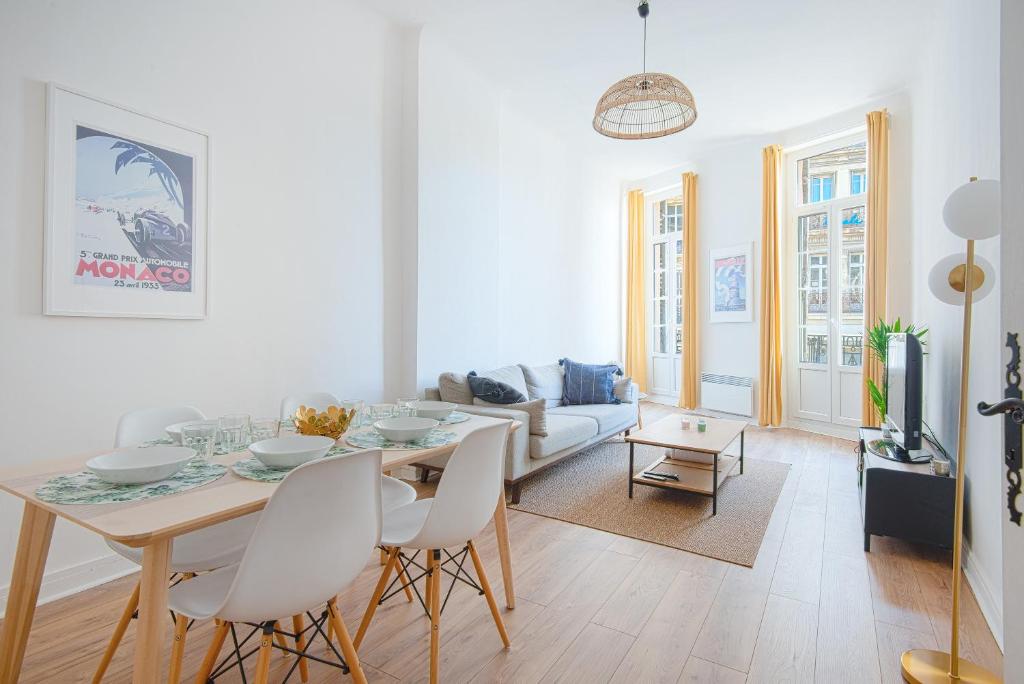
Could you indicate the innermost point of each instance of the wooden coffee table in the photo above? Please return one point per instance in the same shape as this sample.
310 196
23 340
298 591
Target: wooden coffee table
699 478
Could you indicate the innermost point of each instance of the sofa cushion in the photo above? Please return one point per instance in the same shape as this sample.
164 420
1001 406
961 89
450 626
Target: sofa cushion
609 417
544 382
623 389
494 391
588 383
538 414
563 432
454 387
510 375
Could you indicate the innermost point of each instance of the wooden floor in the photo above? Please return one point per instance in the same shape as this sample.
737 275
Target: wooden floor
594 607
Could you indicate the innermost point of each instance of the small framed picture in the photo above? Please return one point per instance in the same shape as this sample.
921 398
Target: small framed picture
731 287
126 212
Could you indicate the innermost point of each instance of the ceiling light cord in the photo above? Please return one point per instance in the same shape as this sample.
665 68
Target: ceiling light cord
644 10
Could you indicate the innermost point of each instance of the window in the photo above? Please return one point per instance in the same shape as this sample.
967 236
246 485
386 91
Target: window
821 188
858 182
665 242
670 216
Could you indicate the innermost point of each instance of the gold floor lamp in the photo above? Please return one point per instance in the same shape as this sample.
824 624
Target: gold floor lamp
972 212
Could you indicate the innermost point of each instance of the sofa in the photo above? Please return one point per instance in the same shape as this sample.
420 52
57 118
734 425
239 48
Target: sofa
570 429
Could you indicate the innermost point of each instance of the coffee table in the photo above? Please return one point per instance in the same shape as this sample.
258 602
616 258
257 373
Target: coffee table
698 478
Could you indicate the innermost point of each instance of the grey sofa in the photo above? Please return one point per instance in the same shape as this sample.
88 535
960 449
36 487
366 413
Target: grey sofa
570 429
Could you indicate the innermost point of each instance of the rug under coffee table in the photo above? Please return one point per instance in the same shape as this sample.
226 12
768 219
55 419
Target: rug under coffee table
698 478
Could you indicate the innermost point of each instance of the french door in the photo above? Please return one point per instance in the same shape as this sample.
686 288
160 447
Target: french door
664 224
825 231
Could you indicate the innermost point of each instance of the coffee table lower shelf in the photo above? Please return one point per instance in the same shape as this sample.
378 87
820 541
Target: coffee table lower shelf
697 478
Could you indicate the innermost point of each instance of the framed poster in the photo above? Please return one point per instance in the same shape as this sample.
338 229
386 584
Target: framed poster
731 288
126 212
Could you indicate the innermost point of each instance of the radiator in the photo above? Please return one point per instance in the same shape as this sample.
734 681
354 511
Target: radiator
727 393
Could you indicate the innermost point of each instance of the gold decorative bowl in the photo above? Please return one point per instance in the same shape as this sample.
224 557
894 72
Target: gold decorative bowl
331 423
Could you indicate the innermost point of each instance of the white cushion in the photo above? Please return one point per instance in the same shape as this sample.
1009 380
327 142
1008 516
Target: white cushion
510 375
563 432
545 382
535 407
454 387
609 417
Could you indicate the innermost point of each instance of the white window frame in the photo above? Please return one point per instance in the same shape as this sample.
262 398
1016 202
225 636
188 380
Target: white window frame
652 237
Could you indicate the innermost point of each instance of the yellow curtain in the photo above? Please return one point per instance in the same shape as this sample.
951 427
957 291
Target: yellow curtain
877 238
770 385
636 324
691 351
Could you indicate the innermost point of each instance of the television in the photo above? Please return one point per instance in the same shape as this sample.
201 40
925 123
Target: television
903 372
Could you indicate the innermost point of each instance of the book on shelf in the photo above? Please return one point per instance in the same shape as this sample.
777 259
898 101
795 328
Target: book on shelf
688 456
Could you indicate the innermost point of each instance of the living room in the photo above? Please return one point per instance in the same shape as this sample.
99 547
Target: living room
439 214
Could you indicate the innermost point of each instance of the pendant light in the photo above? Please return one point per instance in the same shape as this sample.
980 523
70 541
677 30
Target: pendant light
645 105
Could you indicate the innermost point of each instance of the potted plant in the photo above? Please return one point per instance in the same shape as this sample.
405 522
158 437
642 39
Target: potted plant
878 343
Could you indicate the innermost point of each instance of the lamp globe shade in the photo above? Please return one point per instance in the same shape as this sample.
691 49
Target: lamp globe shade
945 280
972 211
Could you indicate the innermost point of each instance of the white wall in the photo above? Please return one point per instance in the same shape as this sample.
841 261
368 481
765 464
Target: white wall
956 135
458 195
294 100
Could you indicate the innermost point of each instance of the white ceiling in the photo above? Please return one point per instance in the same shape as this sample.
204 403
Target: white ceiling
754 66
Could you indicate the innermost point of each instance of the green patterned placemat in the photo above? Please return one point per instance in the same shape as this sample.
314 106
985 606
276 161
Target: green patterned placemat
455 417
219 450
86 488
251 468
370 440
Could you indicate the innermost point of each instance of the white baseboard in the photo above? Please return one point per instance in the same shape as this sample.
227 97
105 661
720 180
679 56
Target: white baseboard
828 429
991 607
71 580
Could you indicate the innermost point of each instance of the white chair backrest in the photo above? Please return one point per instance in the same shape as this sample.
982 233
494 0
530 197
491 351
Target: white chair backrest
318 400
136 427
468 491
313 538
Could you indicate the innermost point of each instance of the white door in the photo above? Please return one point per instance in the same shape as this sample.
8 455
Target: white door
825 270
664 292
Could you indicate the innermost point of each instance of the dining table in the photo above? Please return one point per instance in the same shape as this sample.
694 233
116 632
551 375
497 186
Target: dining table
152 524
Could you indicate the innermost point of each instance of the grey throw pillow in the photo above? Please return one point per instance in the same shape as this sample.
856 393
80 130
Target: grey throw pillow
544 382
454 387
538 414
493 391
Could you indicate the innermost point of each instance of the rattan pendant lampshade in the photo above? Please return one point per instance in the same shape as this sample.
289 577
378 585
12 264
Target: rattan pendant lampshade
645 105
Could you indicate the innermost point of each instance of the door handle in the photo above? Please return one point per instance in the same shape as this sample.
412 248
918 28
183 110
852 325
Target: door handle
1012 410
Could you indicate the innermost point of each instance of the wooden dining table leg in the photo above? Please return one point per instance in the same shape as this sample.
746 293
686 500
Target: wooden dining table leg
504 549
29 562
149 639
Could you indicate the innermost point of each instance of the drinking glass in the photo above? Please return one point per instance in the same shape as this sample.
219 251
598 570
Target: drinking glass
264 428
405 406
234 430
357 405
200 436
381 411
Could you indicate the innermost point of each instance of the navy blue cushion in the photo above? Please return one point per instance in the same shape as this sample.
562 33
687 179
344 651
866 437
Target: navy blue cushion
494 391
588 383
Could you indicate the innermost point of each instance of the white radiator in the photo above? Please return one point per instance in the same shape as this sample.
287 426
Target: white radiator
727 393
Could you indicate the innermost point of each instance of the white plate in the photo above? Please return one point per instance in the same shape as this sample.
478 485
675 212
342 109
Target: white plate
405 429
174 431
139 465
438 410
290 451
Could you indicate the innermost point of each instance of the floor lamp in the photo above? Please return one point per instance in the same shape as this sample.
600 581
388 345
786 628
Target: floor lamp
972 212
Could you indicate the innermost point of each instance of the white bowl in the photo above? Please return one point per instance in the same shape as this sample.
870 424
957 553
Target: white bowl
139 465
174 431
291 450
438 410
405 429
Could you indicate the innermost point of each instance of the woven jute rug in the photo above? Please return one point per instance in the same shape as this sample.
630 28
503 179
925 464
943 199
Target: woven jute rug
590 489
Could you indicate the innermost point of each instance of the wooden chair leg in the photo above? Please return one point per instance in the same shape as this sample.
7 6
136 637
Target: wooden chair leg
298 624
383 556
263 659
115 640
378 591
435 614
177 648
348 649
491 603
279 638
219 634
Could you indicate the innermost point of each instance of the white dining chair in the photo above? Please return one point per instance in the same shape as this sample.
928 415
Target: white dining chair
464 502
394 492
201 551
312 540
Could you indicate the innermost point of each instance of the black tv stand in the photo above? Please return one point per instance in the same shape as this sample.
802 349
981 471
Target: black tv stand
903 499
887 448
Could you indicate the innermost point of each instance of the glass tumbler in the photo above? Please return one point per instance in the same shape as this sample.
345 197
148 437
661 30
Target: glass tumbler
264 428
381 411
202 437
234 430
357 406
405 406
